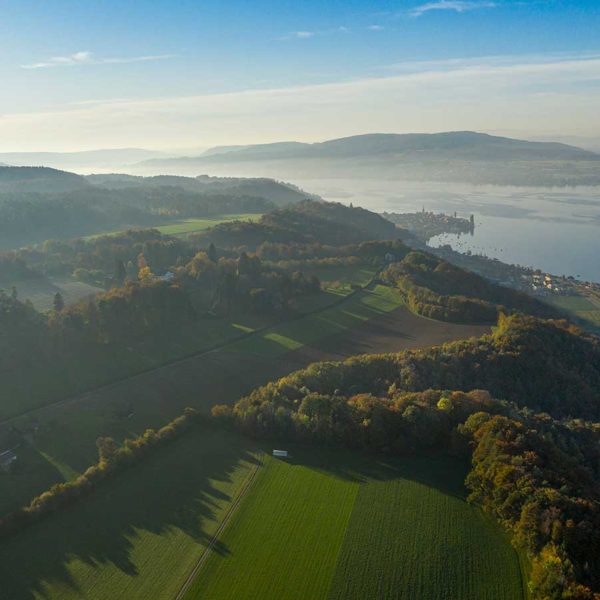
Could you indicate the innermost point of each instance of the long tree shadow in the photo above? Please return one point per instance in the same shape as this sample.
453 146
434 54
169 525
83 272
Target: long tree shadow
440 471
173 489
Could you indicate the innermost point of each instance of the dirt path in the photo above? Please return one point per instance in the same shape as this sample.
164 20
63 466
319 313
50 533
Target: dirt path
215 538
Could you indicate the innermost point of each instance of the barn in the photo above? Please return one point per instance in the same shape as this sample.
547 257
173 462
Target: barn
280 453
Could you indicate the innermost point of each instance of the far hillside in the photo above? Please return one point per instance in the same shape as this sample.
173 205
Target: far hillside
459 156
39 180
279 193
305 222
39 203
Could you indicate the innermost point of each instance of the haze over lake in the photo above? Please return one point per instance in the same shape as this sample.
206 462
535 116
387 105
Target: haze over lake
555 229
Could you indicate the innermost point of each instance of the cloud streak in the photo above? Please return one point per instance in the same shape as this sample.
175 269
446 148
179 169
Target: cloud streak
459 6
85 57
546 94
308 34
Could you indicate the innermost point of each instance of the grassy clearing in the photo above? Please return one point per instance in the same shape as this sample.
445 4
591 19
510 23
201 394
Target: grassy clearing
41 291
140 535
340 280
586 308
334 525
195 225
285 541
365 305
186 226
412 535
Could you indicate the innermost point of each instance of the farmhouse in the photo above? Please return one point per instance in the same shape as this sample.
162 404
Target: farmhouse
280 453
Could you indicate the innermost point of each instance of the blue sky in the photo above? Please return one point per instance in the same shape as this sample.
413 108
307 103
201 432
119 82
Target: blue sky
84 74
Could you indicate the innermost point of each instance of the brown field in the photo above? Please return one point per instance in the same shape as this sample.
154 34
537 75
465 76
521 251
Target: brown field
390 332
150 399
64 444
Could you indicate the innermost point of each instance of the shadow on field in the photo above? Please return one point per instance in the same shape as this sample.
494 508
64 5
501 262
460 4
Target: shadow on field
169 490
441 472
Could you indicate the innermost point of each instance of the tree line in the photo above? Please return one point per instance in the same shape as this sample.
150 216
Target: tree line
112 460
436 289
536 474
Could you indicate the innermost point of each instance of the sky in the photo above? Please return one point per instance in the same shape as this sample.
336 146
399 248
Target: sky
183 75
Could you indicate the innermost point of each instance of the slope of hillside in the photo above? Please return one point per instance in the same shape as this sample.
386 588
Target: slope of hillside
464 144
452 156
279 193
513 364
39 179
306 222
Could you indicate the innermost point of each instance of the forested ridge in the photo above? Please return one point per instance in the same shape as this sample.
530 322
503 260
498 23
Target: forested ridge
522 402
535 472
437 289
307 222
38 203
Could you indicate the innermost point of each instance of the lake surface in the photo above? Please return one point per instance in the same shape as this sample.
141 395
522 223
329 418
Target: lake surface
555 229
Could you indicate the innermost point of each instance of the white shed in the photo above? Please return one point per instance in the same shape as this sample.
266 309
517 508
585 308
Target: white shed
280 453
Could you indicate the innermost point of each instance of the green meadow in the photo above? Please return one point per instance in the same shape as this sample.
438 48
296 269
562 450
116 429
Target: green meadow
185 226
340 526
292 335
139 535
194 225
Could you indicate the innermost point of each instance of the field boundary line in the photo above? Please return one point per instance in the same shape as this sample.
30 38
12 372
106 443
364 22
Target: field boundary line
192 355
215 537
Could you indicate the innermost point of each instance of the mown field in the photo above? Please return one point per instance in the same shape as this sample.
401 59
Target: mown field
586 308
139 535
338 526
193 225
363 306
41 292
64 444
186 226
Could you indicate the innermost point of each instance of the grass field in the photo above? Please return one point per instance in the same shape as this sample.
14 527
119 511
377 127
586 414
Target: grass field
64 444
585 308
340 280
194 225
140 535
41 291
338 526
362 307
186 226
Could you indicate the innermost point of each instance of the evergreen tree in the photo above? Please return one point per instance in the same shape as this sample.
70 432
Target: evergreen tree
212 253
58 302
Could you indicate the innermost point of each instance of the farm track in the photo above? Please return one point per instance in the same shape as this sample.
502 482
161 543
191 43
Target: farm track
181 360
215 538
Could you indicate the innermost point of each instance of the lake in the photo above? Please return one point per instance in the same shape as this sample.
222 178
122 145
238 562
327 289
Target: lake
554 229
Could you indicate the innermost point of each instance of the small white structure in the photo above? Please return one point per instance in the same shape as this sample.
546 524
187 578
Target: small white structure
280 453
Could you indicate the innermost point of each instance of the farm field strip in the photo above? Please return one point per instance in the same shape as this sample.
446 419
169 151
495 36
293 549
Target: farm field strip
284 542
343 526
194 225
215 538
184 225
362 306
435 544
141 534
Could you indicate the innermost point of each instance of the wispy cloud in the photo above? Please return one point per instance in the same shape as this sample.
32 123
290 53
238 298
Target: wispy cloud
546 93
307 34
302 35
459 6
87 58
375 28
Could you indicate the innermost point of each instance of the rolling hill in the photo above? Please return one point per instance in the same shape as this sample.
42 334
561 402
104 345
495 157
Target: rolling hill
452 156
39 179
